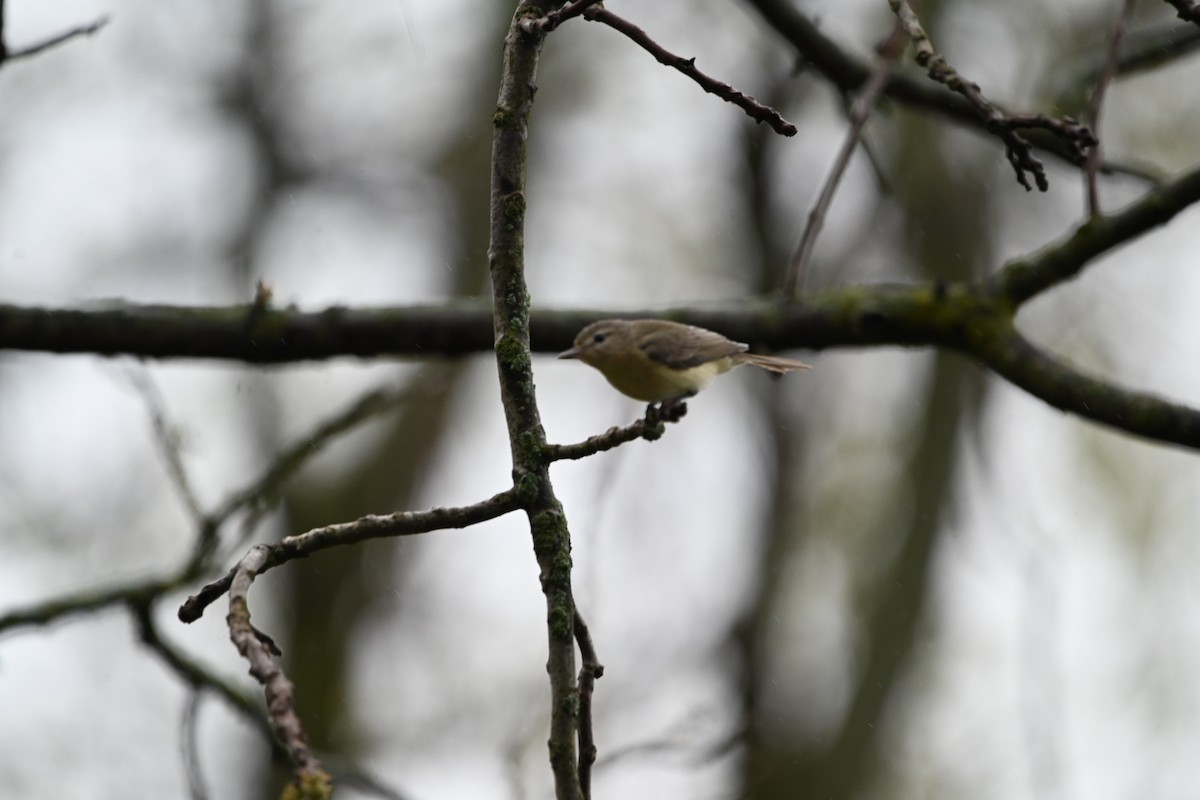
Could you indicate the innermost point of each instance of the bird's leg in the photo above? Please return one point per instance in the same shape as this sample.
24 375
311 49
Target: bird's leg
652 415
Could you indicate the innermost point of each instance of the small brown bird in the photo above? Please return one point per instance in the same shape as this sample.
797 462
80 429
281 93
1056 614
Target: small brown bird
658 361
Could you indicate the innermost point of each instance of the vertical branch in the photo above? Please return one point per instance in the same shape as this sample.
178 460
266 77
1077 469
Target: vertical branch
588 673
1096 104
310 779
860 111
531 475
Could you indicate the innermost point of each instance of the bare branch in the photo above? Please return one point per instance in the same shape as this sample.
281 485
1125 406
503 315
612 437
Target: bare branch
54 41
589 671
190 749
1018 149
557 17
404 523
514 366
310 777
1015 358
167 437
797 270
1139 51
243 333
754 109
1096 105
198 677
84 602
849 73
259 495
613 437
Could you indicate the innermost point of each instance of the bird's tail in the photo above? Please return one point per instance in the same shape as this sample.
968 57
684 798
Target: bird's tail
773 363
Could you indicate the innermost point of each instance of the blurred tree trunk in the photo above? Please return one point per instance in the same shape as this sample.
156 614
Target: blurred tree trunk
324 599
943 240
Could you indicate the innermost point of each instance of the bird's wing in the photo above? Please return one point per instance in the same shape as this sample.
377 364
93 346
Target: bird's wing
685 347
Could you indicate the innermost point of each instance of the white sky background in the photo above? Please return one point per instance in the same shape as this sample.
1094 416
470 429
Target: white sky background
1060 657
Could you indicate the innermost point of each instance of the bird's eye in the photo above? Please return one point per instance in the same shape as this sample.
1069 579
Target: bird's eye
599 337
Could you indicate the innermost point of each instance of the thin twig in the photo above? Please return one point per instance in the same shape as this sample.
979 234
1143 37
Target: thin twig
557 17
167 437
403 523
1140 50
860 110
49 611
188 744
260 651
590 669
285 464
613 437
1019 151
54 41
1096 104
756 110
259 495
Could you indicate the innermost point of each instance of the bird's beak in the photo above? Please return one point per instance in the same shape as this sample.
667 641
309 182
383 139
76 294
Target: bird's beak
572 353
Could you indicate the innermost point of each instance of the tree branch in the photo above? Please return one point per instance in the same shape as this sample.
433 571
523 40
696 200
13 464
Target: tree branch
310 778
860 110
1026 278
1076 138
553 19
754 109
849 74
1096 103
1015 358
200 678
589 672
86 602
613 437
403 523
854 316
527 438
53 41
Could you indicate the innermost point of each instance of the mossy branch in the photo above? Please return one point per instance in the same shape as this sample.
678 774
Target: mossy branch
510 306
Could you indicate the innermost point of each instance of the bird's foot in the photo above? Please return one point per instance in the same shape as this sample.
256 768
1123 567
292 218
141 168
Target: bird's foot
669 410
658 415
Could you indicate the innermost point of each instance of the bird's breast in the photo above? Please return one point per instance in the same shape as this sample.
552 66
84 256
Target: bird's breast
651 382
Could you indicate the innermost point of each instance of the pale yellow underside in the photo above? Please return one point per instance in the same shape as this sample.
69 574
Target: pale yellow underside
651 382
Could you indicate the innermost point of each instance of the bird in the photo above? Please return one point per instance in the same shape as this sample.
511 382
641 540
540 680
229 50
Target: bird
663 363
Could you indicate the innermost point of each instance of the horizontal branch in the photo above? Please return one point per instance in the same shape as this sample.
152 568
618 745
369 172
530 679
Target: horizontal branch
849 73
613 437
1016 359
403 523
847 317
253 334
86 602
